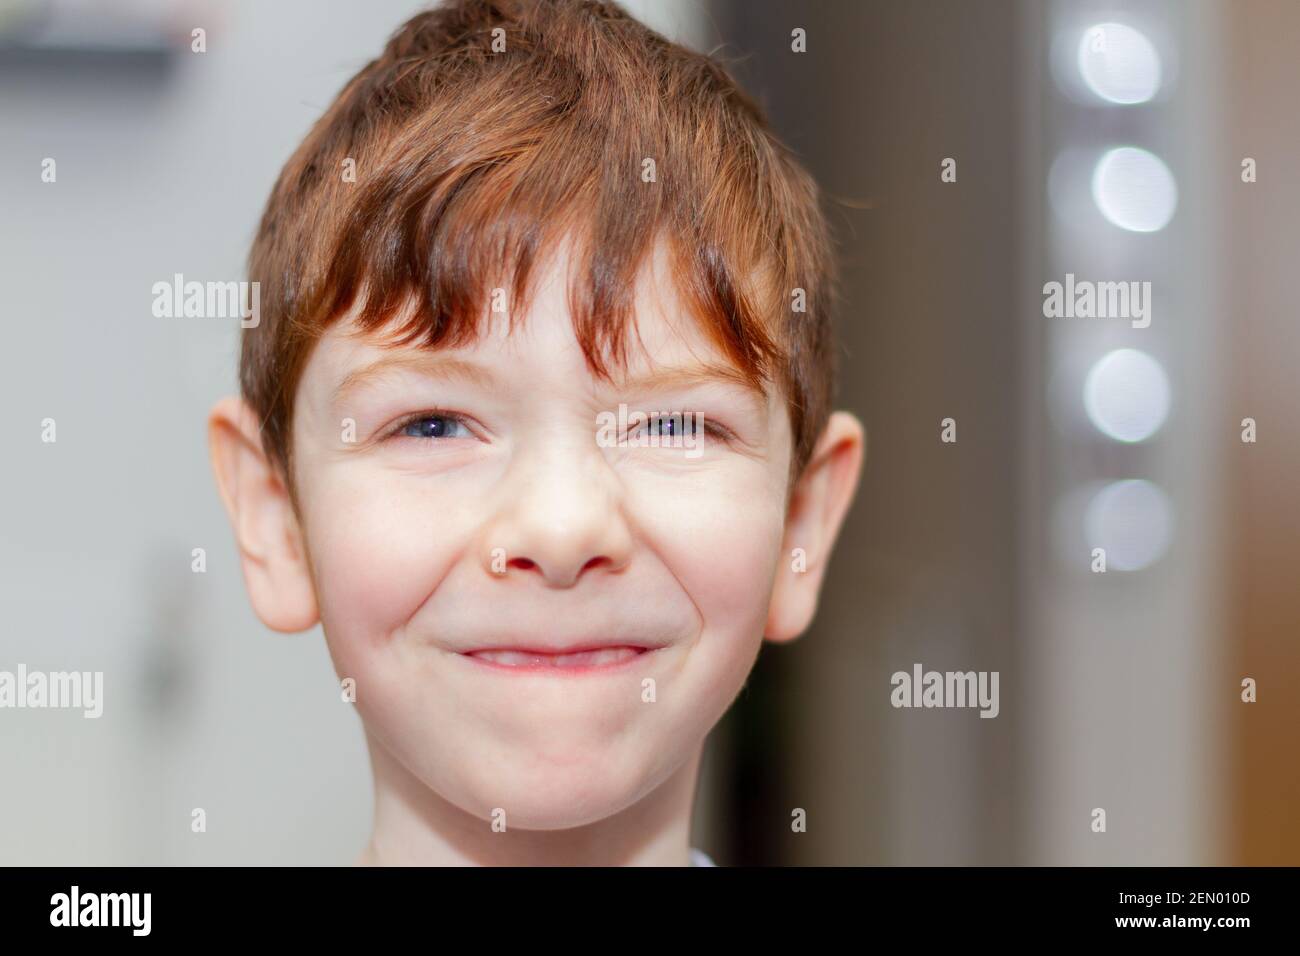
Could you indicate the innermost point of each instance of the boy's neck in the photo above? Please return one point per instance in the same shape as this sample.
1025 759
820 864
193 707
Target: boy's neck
414 826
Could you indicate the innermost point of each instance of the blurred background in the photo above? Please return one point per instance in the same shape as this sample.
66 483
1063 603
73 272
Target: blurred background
1107 141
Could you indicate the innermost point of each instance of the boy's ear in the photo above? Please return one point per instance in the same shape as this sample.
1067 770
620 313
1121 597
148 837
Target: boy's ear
818 503
270 542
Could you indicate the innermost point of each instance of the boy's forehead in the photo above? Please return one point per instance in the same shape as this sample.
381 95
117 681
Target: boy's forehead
666 344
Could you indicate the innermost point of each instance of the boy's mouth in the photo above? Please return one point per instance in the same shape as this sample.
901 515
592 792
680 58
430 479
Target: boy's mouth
571 660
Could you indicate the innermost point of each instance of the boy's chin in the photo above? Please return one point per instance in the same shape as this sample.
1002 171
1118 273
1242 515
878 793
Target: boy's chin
537 793
558 812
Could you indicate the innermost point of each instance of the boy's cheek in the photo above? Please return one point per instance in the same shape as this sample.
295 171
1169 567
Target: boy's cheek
380 545
722 540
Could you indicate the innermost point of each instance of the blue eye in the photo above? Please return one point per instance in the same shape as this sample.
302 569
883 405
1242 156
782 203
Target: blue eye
681 427
670 425
435 426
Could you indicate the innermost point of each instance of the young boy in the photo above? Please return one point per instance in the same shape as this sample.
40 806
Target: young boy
536 423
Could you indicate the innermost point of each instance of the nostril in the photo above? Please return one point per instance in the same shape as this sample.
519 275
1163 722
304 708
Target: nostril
528 564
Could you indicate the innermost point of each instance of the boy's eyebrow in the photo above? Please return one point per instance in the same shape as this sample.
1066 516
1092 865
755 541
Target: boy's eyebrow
423 364
688 375
447 367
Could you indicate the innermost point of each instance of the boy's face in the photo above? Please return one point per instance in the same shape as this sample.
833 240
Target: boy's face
503 525
536 620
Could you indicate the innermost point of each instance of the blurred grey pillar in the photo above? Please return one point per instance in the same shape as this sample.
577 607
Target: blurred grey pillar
1128 694
925 569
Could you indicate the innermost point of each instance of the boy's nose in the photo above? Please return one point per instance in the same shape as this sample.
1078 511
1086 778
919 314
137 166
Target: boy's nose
562 517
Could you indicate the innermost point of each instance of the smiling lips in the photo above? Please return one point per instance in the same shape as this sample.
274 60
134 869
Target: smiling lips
586 659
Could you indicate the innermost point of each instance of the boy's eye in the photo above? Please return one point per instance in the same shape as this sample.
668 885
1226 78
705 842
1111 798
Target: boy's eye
670 425
681 426
435 426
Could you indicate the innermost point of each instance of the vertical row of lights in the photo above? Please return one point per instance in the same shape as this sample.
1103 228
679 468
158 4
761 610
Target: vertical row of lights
1126 394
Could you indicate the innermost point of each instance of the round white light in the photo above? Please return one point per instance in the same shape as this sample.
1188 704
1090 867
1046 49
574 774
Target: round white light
1132 521
1126 395
1119 63
1134 189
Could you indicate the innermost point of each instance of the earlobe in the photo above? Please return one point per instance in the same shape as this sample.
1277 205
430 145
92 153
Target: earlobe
271 548
818 505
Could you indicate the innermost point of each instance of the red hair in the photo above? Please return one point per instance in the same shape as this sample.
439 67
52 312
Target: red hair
488 130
